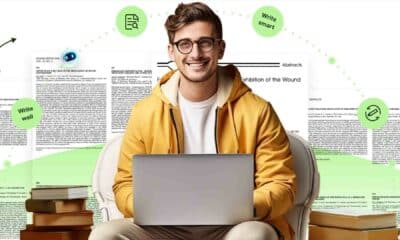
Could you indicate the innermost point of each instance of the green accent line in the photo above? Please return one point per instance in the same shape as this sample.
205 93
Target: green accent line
69 167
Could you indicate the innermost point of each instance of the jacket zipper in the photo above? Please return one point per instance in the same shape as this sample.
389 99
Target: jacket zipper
215 130
176 129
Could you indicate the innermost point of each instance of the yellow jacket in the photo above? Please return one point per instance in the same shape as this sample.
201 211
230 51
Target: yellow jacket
245 123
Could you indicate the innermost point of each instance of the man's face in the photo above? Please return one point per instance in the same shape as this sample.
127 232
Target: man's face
198 65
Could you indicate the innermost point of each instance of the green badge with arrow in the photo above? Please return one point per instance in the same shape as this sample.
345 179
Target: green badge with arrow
373 113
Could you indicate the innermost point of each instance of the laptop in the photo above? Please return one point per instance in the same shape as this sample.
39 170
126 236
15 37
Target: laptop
193 189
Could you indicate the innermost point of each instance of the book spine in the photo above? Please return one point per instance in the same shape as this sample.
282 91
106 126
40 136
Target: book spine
54 235
31 235
83 218
39 206
55 206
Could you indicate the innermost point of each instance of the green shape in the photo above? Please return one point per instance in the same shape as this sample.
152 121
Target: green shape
71 167
268 21
58 168
346 175
131 21
26 113
341 174
331 60
373 113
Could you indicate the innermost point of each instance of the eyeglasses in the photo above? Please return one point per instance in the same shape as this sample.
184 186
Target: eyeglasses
206 44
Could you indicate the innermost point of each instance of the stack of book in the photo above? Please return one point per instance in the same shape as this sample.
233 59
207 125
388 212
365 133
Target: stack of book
346 224
59 213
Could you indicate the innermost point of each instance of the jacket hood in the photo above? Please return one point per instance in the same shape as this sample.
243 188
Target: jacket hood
230 86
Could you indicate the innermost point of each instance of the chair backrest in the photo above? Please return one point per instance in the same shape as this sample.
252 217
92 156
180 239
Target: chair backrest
103 179
304 164
307 176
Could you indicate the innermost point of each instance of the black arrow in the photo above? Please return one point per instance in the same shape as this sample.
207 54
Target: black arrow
11 40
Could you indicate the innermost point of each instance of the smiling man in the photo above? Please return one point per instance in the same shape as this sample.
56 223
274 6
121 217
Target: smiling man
197 64
204 108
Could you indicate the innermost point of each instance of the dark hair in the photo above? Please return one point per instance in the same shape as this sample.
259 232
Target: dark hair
191 12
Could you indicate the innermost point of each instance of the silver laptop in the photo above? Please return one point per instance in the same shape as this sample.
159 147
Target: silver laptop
198 189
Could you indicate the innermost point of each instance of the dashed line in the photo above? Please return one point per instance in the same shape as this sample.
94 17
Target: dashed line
313 45
330 60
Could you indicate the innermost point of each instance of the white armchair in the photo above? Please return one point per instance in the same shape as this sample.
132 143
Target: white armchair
103 179
304 164
307 174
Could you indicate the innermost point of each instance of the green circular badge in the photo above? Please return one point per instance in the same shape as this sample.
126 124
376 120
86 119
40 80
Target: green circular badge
373 113
26 113
131 21
268 21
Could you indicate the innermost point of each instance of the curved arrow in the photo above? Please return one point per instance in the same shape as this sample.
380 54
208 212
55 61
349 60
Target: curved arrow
11 40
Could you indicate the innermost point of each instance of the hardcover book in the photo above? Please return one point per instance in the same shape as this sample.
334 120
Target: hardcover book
353 219
55 206
34 228
330 233
59 192
83 218
55 235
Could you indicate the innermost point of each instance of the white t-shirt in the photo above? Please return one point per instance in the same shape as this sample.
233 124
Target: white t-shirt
198 124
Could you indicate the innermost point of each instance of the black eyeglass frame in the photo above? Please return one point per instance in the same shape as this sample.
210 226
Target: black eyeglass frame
214 41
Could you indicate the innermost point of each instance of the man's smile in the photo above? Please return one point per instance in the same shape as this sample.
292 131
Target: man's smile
197 64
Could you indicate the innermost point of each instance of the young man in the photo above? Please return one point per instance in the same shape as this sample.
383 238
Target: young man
204 108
